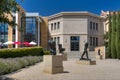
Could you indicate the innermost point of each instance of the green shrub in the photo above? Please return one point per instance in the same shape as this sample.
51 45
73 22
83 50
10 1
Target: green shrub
20 52
46 52
12 64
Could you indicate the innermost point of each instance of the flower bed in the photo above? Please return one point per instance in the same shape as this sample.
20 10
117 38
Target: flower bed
12 64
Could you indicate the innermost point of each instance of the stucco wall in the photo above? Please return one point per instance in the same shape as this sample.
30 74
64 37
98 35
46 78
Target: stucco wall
44 32
75 26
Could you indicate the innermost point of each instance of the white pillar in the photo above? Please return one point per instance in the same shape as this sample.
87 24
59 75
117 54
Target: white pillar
16 29
38 32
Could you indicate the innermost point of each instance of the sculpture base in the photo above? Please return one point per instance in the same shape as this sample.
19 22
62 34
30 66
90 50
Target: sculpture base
53 64
86 62
64 57
99 57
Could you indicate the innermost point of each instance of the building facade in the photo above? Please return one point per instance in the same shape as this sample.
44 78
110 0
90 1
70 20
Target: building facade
30 27
73 29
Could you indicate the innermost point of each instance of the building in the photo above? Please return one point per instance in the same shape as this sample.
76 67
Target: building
73 29
106 22
30 27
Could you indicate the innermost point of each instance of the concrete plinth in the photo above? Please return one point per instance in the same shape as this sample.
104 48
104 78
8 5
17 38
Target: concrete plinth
53 64
86 62
99 57
64 57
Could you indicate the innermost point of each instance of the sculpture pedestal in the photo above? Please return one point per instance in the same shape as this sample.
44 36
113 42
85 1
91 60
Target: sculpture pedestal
86 62
53 64
64 56
99 57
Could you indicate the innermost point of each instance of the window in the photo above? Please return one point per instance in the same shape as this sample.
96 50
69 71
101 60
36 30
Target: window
74 43
54 26
51 26
58 38
93 41
90 25
96 41
93 25
55 39
97 26
58 25
3 32
90 41
30 29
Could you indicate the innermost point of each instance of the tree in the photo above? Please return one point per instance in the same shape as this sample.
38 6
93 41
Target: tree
118 35
105 36
113 36
109 36
7 7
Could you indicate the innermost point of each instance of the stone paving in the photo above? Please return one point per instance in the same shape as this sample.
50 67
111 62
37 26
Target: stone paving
108 69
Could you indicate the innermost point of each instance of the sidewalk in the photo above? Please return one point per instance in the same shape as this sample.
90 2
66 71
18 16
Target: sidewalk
104 70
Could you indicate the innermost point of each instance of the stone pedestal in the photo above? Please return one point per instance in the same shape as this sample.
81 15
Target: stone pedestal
99 57
64 56
86 62
53 64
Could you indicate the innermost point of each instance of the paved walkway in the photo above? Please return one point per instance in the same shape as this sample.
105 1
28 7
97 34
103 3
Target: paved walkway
104 70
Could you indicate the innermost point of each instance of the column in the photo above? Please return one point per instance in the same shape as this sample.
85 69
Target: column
16 29
38 31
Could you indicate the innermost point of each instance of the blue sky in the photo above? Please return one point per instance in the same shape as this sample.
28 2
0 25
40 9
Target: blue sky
49 7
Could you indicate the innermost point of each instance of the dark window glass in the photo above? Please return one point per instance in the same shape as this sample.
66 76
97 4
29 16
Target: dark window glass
58 39
93 25
90 41
97 26
74 43
29 29
3 32
55 39
93 41
51 26
54 26
58 25
90 25
96 41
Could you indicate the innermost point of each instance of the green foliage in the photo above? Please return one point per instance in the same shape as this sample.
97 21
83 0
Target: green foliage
113 49
109 36
20 52
12 64
118 35
46 52
105 36
113 37
6 7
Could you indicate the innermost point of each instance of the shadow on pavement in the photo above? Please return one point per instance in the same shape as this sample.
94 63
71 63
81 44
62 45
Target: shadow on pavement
6 78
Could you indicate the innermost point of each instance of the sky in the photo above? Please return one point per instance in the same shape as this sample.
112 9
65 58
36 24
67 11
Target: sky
50 7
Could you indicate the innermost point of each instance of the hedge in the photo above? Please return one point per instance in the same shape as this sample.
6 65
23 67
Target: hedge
13 64
47 52
20 52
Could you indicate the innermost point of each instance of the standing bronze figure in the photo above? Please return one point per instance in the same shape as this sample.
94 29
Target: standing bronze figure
85 52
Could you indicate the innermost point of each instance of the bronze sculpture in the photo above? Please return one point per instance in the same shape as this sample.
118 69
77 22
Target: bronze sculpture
85 52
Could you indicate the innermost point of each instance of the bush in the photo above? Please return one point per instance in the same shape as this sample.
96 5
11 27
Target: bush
20 52
46 52
12 64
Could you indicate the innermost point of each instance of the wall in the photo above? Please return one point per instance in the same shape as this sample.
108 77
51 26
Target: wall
102 50
96 33
75 25
44 32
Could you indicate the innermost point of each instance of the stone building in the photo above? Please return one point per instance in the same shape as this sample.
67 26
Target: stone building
73 29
